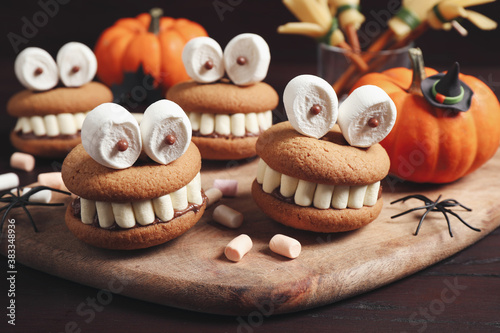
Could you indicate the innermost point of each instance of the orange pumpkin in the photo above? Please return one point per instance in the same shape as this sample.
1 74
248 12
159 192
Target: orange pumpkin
154 41
431 144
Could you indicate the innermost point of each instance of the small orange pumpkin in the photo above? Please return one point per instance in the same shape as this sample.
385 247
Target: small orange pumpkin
435 145
154 41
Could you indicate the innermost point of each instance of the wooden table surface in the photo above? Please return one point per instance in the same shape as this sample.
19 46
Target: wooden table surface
461 293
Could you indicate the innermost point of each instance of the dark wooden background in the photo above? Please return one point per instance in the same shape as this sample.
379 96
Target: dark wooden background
47 304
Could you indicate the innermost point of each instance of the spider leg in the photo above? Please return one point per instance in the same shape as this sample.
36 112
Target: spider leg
422 220
30 217
443 210
9 207
453 203
409 211
461 220
413 196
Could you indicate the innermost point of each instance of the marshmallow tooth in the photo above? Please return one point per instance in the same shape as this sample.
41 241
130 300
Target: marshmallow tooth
111 136
367 116
246 59
77 64
203 60
36 69
311 105
166 131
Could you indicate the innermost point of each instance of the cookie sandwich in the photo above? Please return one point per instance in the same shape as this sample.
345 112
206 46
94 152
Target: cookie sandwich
318 176
137 186
227 114
50 116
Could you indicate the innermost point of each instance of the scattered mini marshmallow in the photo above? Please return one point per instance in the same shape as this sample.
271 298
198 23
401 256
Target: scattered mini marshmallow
238 247
43 196
227 216
229 187
22 161
8 180
213 194
285 246
51 179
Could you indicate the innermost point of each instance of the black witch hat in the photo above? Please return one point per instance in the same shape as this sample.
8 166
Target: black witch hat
446 90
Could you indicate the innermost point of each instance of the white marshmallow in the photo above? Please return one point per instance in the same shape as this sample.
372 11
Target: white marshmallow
356 196
43 196
163 208
213 195
51 125
305 193
252 123
144 211
194 190
26 125
285 246
36 69
77 64
38 125
238 124
105 214
207 123
365 107
123 214
79 118
87 210
51 179
103 128
300 95
288 186
323 196
179 199
340 196
272 180
257 58
66 123
161 119
22 161
227 216
222 124
195 119
261 170
195 55
371 195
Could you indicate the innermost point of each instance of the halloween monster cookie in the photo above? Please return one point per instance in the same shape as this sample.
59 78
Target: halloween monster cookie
50 117
137 186
227 115
310 177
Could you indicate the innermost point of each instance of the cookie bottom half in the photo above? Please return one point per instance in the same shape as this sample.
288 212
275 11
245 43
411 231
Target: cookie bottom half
134 238
47 148
313 219
224 148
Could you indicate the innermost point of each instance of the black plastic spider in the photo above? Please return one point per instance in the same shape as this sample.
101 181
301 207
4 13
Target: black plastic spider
435 206
15 200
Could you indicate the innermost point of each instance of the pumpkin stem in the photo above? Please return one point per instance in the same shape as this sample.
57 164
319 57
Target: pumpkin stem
417 64
156 14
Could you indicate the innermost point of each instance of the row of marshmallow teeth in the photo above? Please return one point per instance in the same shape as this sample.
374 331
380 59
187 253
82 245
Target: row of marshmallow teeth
321 196
126 215
237 124
54 125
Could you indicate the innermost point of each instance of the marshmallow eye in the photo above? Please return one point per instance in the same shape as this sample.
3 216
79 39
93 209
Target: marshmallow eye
203 60
311 105
166 131
246 59
111 136
36 69
77 64
367 116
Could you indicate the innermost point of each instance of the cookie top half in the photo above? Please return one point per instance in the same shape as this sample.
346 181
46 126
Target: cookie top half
29 103
223 97
85 177
329 160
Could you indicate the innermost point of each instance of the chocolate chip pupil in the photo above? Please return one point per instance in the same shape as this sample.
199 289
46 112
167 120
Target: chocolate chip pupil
241 61
170 139
316 109
373 122
75 69
38 71
122 145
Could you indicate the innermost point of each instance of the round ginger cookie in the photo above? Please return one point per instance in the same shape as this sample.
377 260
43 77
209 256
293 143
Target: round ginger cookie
46 147
138 237
29 103
313 219
224 148
90 180
223 97
329 160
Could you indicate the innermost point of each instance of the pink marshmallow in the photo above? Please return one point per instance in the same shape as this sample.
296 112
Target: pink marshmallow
51 179
228 187
22 161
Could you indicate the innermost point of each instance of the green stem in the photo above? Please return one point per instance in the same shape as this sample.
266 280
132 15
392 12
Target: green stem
156 14
417 64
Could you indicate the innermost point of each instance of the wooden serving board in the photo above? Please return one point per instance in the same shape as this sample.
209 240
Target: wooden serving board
192 272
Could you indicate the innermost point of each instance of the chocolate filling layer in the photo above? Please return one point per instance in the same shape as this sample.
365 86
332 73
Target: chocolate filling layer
77 209
32 136
290 200
223 136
